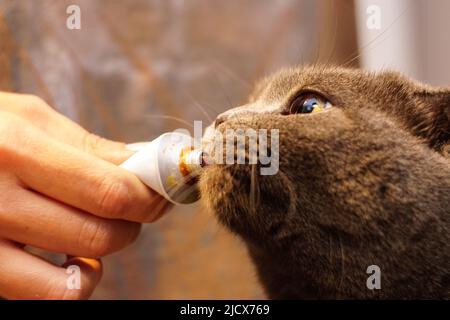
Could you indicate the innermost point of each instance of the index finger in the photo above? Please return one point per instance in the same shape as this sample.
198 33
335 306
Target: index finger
79 179
40 114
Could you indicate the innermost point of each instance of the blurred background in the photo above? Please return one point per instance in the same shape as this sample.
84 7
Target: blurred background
138 68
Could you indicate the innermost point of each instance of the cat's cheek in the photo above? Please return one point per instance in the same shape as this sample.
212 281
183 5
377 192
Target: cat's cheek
256 214
225 192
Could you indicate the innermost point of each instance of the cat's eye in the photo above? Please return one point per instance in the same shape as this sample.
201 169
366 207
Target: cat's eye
309 103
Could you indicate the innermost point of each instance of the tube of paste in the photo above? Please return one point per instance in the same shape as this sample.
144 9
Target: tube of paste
169 165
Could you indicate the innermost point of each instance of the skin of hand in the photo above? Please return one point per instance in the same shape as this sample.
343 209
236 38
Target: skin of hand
62 191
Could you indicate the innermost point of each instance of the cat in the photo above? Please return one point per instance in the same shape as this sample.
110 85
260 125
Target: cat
363 180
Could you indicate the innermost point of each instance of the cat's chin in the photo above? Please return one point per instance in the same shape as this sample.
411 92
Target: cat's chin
226 192
221 196
216 187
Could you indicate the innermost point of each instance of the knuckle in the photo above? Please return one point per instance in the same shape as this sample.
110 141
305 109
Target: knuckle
35 102
113 198
97 238
8 124
34 108
91 141
11 131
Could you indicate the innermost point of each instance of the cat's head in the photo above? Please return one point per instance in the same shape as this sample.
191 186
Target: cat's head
354 147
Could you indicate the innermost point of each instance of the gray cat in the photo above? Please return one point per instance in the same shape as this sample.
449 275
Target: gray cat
363 180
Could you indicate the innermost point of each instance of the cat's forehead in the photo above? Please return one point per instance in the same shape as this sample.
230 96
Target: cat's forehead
282 83
334 80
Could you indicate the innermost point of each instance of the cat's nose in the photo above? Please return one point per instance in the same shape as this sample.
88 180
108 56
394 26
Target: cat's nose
231 114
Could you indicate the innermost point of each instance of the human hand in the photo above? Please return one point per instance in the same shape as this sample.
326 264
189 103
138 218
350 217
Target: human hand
61 190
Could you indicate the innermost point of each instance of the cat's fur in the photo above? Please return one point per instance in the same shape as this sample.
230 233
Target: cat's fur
366 183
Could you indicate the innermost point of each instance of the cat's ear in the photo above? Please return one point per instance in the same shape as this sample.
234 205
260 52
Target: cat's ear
435 107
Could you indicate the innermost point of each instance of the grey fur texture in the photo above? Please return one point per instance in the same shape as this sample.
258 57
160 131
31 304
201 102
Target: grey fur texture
365 183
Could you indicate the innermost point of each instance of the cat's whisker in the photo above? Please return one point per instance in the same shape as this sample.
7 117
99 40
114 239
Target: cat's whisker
254 189
359 53
317 55
174 191
227 97
181 184
230 72
301 218
341 280
330 249
210 223
333 49
161 116
198 106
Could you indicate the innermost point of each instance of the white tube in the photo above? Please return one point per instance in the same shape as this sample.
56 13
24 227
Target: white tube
169 165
